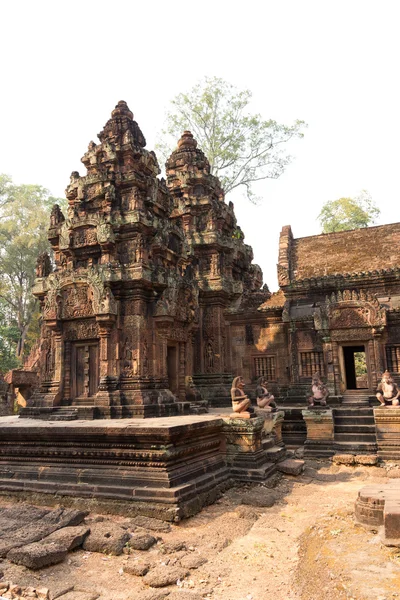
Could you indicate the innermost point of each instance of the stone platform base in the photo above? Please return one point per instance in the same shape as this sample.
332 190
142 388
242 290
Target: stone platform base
131 411
165 468
387 424
168 468
379 505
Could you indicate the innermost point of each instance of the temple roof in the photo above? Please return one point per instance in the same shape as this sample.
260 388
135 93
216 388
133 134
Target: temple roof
277 300
354 251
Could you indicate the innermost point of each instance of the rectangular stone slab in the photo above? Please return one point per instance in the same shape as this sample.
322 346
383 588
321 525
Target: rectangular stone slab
37 530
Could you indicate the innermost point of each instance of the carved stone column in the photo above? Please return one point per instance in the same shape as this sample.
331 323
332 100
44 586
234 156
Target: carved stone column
108 382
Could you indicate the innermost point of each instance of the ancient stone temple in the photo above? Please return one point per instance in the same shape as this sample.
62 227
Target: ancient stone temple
153 304
145 271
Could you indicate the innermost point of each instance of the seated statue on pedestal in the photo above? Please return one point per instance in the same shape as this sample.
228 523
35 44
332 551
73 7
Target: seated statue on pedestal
264 398
241 403
388 393
318 392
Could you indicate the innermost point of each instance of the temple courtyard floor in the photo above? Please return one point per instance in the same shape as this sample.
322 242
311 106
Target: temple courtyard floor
291 538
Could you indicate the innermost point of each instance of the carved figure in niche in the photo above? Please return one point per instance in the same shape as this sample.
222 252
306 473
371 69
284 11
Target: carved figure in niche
318 392
47 360
56 216
209 356
139 249
388 393
75 302
130 362
43 265
215 265
110 194
264 398
192 394
241 403
108 303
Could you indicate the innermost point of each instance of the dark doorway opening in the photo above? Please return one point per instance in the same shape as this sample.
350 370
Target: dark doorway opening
172 369
355 365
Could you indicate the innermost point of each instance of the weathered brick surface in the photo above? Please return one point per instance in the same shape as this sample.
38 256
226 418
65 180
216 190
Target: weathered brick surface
328 254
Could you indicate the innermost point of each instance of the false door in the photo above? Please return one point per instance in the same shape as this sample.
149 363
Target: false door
84 370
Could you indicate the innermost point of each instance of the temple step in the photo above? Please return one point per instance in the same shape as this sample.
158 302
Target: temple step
353 412
355 437
357 420
355 427
83 402
358 447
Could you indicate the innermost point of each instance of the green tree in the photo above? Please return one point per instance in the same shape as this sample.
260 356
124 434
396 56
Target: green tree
242 148
24 220
348 213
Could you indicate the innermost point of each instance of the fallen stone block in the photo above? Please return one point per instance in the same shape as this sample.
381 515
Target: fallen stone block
18 515
366 459
192 561
152 524
291 466
106 537
171 547
142 541
164 575
40 528
139 569
49 551
343 459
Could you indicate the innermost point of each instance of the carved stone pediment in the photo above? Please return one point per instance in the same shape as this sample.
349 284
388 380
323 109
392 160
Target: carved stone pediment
354 309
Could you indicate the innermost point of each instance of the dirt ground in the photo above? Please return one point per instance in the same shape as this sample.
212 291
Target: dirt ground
306 546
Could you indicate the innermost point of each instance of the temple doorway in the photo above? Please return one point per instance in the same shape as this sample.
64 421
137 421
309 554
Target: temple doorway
355 367
172 368
84 370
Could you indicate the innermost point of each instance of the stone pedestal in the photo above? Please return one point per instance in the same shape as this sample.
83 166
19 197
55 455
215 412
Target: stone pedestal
250 454
320 432
379 505
387 424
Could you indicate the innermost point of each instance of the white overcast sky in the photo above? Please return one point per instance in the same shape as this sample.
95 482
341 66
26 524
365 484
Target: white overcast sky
334 64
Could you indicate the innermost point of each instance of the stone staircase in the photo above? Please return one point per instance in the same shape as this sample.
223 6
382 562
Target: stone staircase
354 425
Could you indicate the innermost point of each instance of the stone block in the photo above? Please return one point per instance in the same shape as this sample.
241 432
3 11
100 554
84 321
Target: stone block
366 459
164 575
291 466
343 459
142 541
137 568
106 537
49 551
41 528
192 561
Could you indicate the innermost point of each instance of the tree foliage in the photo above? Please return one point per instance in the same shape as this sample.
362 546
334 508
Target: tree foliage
24 220
348 213
242 148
